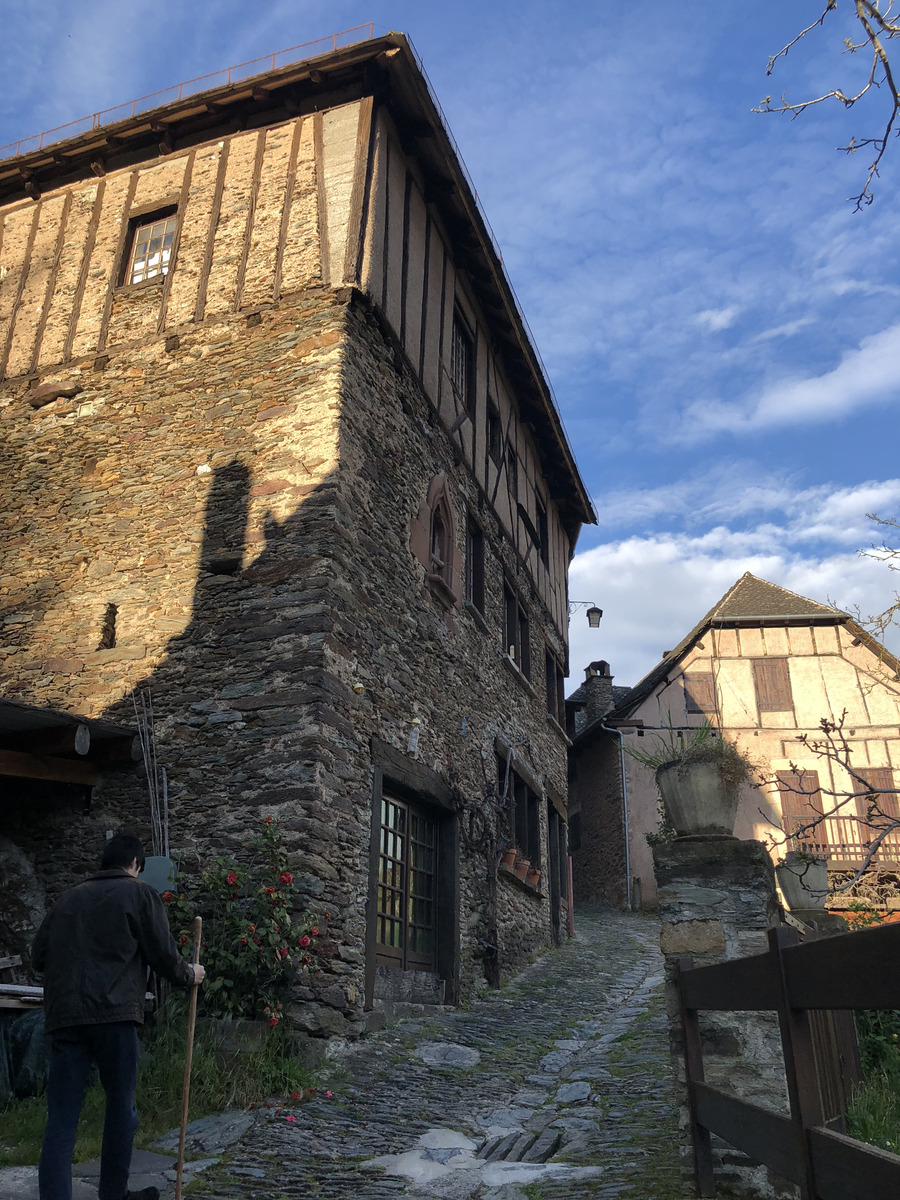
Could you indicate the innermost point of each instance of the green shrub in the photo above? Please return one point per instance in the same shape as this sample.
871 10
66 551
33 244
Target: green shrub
255 942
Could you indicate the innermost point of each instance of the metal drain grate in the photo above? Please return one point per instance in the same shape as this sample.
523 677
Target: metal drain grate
521 1147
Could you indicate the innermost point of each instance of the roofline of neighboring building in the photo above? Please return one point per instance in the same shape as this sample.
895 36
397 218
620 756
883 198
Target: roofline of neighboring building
642 689
387 68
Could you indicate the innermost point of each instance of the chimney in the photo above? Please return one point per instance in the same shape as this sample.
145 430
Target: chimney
598 690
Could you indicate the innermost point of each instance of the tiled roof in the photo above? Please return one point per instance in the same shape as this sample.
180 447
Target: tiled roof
750 599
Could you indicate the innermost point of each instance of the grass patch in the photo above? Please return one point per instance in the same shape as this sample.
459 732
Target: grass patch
216 1085
874 1113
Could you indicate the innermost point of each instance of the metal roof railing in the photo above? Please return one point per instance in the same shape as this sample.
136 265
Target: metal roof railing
178 91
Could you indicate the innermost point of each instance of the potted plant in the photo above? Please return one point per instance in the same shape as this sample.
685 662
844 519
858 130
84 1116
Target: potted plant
510 854
522 867
699 776
533 877
803 879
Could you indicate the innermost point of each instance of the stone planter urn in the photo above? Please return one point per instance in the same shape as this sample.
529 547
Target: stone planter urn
803 881
698 803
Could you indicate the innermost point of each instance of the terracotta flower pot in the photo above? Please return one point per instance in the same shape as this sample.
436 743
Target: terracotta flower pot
533 877
522 867
509 857
696 801
803 881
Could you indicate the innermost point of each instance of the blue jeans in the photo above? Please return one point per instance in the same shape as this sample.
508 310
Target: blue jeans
72 1051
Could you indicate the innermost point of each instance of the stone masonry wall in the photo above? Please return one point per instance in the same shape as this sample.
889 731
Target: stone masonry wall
595 791
415 658
716 902
234 451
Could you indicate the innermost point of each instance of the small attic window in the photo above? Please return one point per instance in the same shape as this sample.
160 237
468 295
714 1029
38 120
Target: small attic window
150 245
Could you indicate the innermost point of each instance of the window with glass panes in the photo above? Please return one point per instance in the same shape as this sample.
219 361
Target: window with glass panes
151 249
407 900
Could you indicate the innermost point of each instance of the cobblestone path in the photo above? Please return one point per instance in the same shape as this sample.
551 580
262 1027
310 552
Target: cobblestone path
574 1050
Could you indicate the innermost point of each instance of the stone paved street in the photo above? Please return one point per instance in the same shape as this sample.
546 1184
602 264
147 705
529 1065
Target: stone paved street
572 1053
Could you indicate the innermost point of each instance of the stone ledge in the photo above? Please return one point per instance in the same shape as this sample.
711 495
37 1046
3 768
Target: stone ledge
558 729
508 874
514 670
477 616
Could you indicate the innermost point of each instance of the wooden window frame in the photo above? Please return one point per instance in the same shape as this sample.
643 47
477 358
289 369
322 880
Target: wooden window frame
516 631
462 361
772 681
801 804
555 678
146 220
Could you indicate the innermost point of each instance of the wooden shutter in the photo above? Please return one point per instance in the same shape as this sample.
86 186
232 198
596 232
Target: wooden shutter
801 804
700 692
888 804
773 684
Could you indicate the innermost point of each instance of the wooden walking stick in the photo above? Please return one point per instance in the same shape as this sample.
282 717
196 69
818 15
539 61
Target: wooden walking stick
186 1090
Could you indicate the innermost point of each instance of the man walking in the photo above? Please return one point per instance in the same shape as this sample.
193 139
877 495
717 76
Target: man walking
94 949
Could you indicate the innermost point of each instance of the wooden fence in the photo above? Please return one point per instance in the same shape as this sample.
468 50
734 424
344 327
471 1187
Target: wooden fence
849 971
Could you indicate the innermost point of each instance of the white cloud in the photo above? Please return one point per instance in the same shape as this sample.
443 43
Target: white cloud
653 590
715 319
864 377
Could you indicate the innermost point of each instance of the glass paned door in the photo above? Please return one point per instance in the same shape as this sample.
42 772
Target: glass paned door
406 886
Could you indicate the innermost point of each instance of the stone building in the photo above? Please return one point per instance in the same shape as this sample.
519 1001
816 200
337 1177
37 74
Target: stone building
764 666
278 450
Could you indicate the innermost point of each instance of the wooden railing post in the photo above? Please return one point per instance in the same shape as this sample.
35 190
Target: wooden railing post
799 1061
693 1073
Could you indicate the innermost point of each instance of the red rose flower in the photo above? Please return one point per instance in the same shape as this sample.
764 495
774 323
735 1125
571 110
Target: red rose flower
286 877
167 897
296 1095
251 929
283 952
183 940
268 821
304 941
273 1021
314 932
231 878
270 891
243 941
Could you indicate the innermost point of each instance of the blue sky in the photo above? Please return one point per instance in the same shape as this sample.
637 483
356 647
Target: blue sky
721 328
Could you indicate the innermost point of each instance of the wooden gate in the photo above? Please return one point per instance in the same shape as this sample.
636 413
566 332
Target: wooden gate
847 972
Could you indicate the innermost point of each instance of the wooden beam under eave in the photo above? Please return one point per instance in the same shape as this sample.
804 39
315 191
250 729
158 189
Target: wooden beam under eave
60 770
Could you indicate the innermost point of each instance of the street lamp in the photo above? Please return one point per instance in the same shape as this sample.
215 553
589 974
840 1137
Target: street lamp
593 612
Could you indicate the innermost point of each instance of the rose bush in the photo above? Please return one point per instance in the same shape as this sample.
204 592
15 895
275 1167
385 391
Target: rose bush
256 941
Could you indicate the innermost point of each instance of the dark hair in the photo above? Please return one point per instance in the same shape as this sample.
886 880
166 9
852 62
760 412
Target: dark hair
121 851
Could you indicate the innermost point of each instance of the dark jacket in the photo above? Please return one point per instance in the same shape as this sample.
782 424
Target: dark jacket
95 946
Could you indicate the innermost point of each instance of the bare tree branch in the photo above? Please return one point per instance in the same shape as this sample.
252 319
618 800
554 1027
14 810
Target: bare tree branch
878 25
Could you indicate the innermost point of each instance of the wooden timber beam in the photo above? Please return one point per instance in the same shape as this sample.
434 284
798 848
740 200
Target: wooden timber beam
72 739
61 770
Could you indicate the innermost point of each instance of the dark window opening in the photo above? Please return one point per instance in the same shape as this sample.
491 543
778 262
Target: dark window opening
574 832
526 820
543 531
441 550
462 363
512 471
108 628
475 565
494 434
150 246
556 701
516 631
773 684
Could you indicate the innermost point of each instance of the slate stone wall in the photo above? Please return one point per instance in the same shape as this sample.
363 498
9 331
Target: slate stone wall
716 902
243 494
595 792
